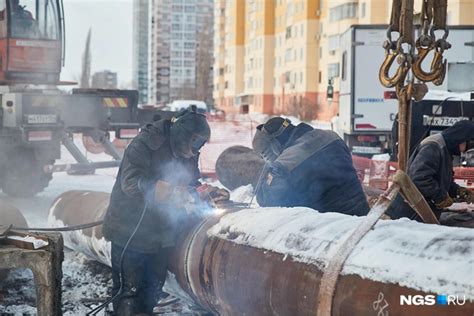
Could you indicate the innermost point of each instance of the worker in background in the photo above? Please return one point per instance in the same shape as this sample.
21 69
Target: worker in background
156 188
307 167
430 167
23 22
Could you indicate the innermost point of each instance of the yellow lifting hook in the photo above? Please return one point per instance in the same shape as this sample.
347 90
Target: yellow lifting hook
438 67
400 74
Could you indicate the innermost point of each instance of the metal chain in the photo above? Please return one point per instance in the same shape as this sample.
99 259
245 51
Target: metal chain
433 17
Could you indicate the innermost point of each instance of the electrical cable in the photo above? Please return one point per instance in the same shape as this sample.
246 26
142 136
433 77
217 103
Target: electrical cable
119 292
259 183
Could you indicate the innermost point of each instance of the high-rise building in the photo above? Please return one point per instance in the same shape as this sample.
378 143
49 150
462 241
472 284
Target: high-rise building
140 48
178 44
104 80
278 56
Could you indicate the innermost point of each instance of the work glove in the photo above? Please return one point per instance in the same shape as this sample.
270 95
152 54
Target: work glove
176 195
213 194
447 202
466 195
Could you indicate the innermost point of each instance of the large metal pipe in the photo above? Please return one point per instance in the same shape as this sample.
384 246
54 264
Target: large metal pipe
10 215
270 262
79 207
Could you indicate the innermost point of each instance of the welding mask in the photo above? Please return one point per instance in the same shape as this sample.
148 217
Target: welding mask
189 131
266 143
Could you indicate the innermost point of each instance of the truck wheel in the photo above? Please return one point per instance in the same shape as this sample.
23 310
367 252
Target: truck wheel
25 176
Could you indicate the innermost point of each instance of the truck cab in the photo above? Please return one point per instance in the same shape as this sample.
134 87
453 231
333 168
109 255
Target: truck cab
31 41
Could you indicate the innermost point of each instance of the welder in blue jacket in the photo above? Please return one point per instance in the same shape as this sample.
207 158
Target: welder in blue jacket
307 167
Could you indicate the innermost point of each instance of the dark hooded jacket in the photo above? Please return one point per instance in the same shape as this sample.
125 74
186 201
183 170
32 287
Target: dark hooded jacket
147 159
430 167
314 170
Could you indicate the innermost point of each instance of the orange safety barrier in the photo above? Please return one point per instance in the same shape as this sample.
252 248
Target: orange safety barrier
376 173
466 174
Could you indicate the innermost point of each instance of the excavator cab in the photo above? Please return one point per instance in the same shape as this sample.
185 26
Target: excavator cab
31 41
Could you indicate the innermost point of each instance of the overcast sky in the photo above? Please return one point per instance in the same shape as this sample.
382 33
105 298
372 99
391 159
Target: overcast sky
111 44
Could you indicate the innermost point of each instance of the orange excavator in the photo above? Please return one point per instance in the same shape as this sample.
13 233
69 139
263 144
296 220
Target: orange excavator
36 117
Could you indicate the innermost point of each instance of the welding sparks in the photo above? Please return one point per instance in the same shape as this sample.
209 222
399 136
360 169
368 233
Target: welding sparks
219 211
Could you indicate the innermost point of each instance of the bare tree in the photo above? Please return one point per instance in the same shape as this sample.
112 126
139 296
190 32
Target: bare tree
302 108
86 63
204 62
186 91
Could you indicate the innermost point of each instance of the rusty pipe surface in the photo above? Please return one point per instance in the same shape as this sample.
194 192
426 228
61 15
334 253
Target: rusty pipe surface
79 207
269 261
10 215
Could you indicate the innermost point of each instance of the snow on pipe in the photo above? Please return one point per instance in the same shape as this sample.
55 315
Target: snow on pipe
270 261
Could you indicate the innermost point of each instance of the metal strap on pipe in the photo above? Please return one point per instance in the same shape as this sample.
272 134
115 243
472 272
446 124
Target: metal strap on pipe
440 13
334 266
406 22
395 17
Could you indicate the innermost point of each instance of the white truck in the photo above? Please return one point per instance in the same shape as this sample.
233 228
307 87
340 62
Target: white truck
367 110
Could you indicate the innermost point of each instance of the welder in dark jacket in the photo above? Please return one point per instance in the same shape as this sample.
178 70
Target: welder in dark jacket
307 167
154 189
430 167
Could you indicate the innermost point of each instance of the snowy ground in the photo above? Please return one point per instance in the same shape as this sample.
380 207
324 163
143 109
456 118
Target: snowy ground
85 282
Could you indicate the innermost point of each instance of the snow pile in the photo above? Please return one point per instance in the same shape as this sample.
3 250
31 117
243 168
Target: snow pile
430 258
243 194
17 293
85 284
36 242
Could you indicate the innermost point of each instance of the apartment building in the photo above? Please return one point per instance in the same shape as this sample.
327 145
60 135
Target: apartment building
279 56
176 29
105 79
140 48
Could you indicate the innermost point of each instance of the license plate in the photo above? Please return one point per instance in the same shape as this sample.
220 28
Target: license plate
441 120
40 136
366 150
41 118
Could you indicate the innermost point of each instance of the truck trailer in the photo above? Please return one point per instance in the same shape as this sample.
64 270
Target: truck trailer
367 110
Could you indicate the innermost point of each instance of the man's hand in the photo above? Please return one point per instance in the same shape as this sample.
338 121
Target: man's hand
213 194
163 191
447 202
466 195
